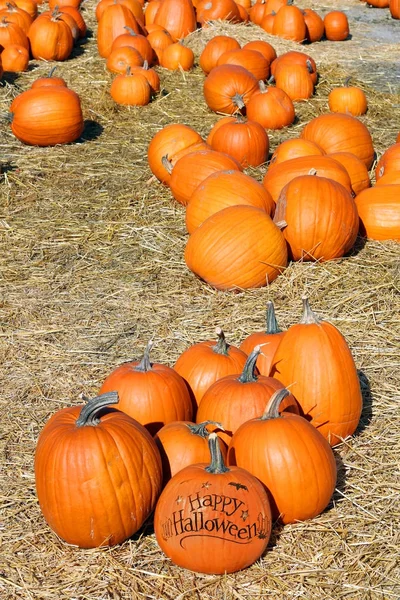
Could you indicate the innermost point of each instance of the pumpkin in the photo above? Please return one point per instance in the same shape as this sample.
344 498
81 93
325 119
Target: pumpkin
45 116
223 189
220 123
150 74
290 457
278 175
123 57
265 48
16 15
237 398
271 107
258 11
134 6
136 41
213 10
159 40
394 9
193 168
131 89
15 58
214 48
238 247
12 34
289 24
315 27
183 443
336 132
49 80
267 22
336 26
356 169
295 80
211 518
252 60
268 341
205 362
348 99
228 88
245 140
97 472
379 210
112 23
150 13
29 6
152 393
332 404
168 142
295 57
177 17
294 148
50 37
78 18
177 57
389 162
321 218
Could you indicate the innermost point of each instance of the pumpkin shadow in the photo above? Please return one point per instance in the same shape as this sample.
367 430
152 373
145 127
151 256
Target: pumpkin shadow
358 246
92 130
340 482
366 413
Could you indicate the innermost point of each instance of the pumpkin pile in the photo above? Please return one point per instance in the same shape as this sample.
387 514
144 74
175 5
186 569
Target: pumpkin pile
202 445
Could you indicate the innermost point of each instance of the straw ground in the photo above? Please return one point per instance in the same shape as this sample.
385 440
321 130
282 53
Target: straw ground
92 267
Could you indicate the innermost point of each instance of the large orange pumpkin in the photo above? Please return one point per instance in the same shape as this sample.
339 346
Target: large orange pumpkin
271 107
245 140
379 210
228 88
290 457
238 247
98 474
177 17
152 393
214 49
211 518
50 37
308 352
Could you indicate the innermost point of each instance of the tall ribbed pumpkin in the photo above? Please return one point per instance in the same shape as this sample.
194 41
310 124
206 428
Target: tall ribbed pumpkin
177 17
238 247
314 359
98 474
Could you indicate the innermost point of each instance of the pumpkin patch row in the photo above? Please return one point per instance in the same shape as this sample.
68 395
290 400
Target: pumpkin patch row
229 459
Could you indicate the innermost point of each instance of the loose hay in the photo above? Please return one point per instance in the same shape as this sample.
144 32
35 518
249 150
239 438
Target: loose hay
92 268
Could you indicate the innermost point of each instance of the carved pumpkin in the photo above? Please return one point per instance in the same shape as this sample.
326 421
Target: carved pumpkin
238 247
152 393
290 457
213 519
205 362
333 404
98 474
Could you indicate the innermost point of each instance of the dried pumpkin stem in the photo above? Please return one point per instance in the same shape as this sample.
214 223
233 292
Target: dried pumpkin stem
201 428
217 462
309 317
272 409
145 364
272 323
89 415
248 374
237 99
221 347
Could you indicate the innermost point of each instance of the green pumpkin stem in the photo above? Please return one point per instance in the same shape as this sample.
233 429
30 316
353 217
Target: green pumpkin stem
221 347
145 364
248 374
217 464
309 317
272 323
272 409
89 413
201 428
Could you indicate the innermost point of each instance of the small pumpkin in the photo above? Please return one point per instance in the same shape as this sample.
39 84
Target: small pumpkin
247 141
336 26
271 107
290 457
294 148
214 48
122 57
15 58
50 37
177 56
315 27
211 518
97 472
289 24
228 88
131 89
348 99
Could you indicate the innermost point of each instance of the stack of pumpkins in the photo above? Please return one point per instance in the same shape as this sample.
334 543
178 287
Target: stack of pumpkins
99 472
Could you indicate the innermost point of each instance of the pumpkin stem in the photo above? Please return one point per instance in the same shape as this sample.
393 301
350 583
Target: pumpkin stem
272 408
221 347
145 364
248 374
238 100
145 65
167 164
217 464
347 81
52 70
89 413
272 323
201 428
130 30
309 66
262 86
309 318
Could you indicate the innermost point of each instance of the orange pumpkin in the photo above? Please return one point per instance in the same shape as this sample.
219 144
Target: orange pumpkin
152 393
238 247
130 89
177 57
356 169
177 17
214 49
389 162
348 99
228 88
211 518
271 107
123 57
394 8
268 341
336 26
112 23
333 404
379 210
290 457
136 41
315 27
289 24
294 148
245 140
295 57
252 60
97 472
15 58
205 362
50 37
18 16
213 10
265 48
12 34
295 80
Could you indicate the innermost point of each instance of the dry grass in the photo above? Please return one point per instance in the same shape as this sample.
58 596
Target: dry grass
92 267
